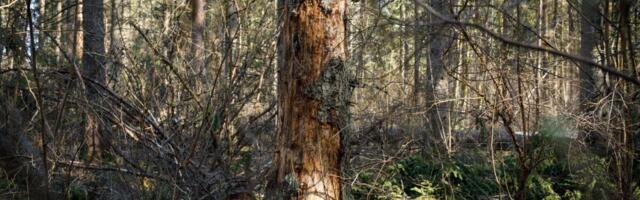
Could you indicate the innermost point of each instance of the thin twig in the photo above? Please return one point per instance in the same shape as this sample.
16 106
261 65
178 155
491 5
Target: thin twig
8 5
168 63
39 99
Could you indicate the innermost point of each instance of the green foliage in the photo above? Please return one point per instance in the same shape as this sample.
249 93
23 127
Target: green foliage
417 178
562 173
424 189
77 191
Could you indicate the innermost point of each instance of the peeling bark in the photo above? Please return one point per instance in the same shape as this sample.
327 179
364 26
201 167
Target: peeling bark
314 90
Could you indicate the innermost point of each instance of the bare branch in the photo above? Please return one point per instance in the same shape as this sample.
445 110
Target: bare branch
605 68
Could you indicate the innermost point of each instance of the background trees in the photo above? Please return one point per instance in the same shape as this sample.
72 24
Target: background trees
453 99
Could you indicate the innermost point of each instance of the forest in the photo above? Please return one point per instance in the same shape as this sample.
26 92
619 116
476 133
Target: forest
320 99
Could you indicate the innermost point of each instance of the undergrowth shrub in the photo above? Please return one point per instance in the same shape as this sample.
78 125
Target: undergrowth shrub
566 171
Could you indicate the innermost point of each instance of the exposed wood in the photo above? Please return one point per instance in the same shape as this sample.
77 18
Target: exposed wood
314 87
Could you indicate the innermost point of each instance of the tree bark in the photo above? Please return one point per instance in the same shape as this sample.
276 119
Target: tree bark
77 38
42 7
114 44
436 116
360 51
417 44
626 157
58 33
314 88
93 65
588 35
404 59
197 36
230 33
1 45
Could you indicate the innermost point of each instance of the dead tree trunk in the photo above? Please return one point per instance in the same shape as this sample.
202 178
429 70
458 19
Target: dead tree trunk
314 88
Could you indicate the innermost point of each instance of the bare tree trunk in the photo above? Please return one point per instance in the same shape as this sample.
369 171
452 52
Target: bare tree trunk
524 167
417 44
360 51
626 138
1 46
114 45
93 66
77 38
314 88
58 33
436 111
230 34
588 36
42 7
405 47
197 37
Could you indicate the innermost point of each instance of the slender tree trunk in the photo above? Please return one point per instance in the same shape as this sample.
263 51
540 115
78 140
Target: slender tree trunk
167 28
197 39
314 88
93 61
417 44
606 42
405 47
42 7
1 46
524 167
77 38
230 34
114 44
436 116
362 37
626 139
58 33
523 177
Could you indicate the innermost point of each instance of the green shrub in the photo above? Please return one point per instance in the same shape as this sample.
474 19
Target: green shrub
562 173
